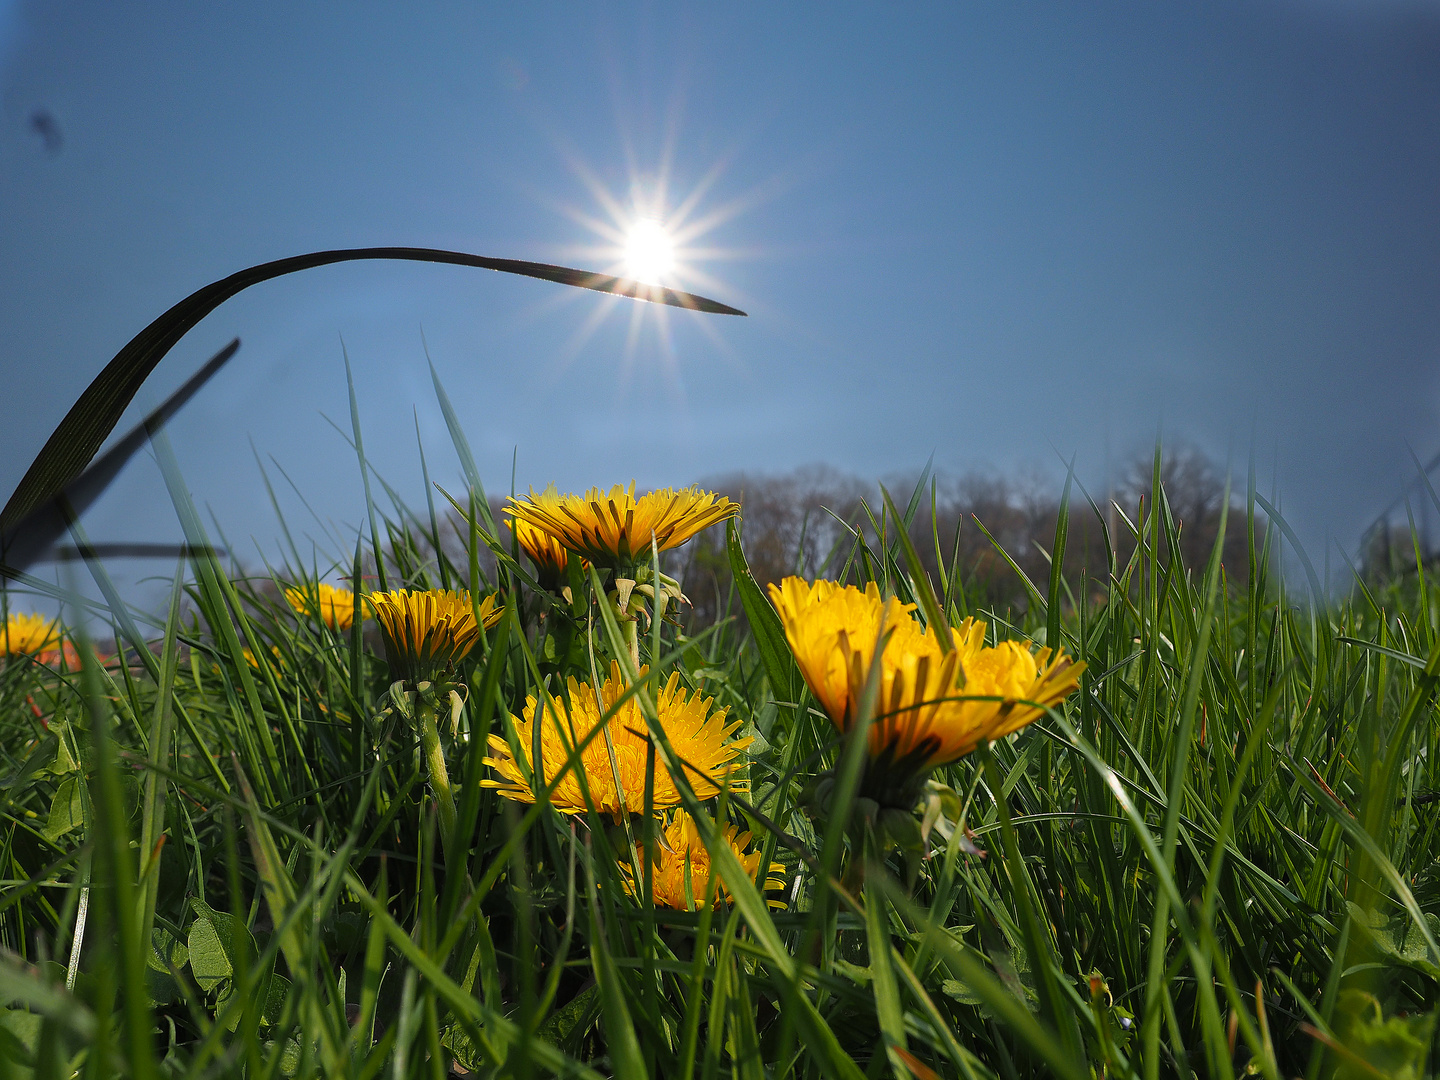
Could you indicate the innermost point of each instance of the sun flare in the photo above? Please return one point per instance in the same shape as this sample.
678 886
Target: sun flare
660 232
649 251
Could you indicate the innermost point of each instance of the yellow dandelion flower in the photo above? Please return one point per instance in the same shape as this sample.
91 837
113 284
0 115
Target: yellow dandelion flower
615 529
697 735
427 633
334 607
250 658
548 554
683 854
29 635
925 713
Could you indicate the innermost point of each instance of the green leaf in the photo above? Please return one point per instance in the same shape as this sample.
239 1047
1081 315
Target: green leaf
209 959
276 995
166 952
462 1049
22 985
19 1034
65 762
1394 1048
67 809
576 1016
289 1056
959 991
211 945
1400 939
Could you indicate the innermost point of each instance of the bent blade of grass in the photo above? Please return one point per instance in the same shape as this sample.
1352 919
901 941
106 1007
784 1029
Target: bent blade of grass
85 427
1030 588
1317 595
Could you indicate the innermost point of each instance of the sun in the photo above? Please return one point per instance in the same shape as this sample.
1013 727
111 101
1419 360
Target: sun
649 251
658 234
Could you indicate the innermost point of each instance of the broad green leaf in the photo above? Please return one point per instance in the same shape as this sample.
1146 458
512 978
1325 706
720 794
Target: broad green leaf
211 943
19 1033
1395 1048
22 985
289 1056
276 995
577 1015
67 809
209 958
65 762
166 953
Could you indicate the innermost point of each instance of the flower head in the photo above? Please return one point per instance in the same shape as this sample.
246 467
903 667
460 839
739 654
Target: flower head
29 635
931 705
697 735
684 855
615 529
334 607
427 633
548 554
250 658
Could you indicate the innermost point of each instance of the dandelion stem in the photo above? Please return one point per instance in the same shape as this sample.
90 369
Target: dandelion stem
435 765
630 628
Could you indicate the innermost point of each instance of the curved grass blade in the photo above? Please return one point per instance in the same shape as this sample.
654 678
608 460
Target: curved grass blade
100 407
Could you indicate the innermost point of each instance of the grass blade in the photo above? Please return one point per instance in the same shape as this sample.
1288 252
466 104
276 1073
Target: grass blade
92 418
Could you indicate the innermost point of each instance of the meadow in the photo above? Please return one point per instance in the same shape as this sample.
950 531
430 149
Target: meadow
1158 819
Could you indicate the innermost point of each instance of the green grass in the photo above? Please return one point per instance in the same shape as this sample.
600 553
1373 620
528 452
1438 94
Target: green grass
1219 857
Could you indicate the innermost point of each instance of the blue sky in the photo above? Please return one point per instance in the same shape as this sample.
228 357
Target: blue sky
999 233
